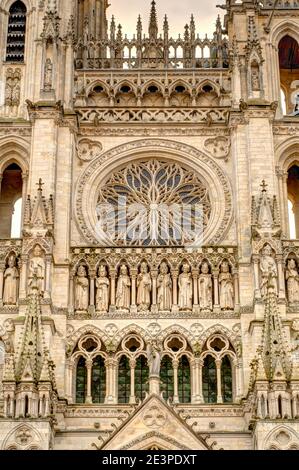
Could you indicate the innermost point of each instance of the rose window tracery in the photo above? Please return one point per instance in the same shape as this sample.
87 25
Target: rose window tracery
152 203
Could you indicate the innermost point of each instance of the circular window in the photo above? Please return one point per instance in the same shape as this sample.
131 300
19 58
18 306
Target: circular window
153 192
153 202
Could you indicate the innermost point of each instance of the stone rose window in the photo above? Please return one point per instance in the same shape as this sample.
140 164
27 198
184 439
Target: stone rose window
153 203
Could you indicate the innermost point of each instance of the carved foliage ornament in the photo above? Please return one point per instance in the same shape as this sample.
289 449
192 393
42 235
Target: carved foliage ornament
88 150
219 147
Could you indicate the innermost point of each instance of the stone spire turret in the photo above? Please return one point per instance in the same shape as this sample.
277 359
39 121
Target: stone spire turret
153 24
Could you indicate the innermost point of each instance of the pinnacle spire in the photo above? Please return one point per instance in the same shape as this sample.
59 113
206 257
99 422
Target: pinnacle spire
153 25
274 352
32 359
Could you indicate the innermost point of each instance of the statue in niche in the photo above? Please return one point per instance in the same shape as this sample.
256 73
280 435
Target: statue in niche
268 269
37 270
144 287
123 291
164 285
11 282
185 288
153 358
102 285
205 288
292 279
255 78
226 287
48 75
81 289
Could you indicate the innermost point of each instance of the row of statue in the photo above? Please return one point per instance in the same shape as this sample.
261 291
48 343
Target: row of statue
144 291
36 276
144 284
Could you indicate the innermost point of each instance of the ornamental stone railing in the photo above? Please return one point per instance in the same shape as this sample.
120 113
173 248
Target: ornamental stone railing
194 115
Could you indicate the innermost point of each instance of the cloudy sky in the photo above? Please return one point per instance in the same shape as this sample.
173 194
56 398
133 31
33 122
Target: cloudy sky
178 11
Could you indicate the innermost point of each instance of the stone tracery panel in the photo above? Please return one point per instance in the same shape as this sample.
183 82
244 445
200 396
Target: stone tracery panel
155 191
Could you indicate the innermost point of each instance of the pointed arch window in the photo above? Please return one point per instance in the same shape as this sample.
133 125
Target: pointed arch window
141 378
81 381
209 380
11 190
226 380
98 382
166 375
184 380
16 34
124 380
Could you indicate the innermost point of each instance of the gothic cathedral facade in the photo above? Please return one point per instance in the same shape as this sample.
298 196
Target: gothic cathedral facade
149 229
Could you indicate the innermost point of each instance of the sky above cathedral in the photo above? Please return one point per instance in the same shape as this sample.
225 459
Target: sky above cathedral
178 11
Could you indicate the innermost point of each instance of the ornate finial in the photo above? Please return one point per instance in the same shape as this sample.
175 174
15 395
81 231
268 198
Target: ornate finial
112 28
192 28
40 185
153 25
139 28
264 186
119 37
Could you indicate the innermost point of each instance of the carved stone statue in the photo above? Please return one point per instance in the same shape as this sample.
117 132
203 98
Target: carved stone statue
11 282
185 289
144 285
81 290
37 270
255 79
102 285
153 358
48 75
226 287
205 288
164 285
292 278
268 269
123 291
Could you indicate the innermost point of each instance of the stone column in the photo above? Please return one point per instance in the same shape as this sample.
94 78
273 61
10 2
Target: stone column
257 290
2 269
216 289
196 380
92 276
154 274
133 274
281 278
132 392
175 276
195 274
24 195
23 277
71 293
236 289
285 176
296 215
111 381
219 388
154 385
175 365
113 279
48 276
89 370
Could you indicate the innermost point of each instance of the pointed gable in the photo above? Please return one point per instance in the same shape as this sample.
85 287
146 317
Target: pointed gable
154 424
